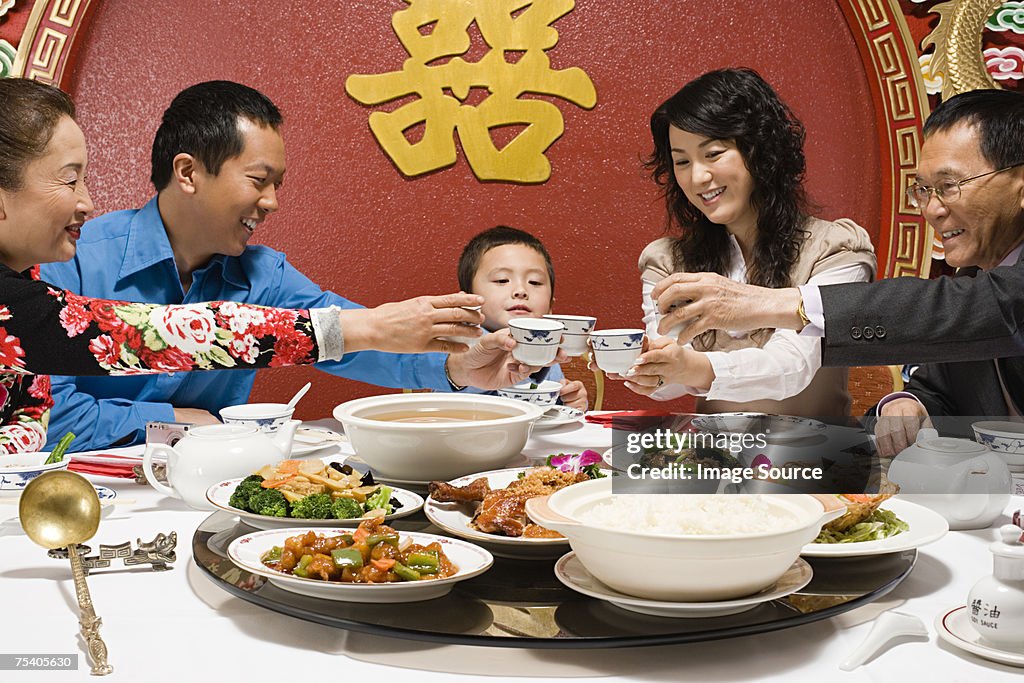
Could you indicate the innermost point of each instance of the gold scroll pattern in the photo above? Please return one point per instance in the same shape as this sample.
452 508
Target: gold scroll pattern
891 59
47 39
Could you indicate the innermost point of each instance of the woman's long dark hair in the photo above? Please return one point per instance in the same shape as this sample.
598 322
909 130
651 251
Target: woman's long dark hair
736 104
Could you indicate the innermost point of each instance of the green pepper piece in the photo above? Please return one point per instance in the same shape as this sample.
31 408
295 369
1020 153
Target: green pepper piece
301 568
374 539
347 557
425 563
273 555
57 454
404 573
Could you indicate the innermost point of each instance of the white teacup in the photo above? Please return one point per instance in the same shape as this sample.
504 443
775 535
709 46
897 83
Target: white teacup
616 350
541 394
577 329
537 340
267 416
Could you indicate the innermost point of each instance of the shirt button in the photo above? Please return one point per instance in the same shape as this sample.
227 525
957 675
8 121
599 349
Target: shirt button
879 332
869 333
855 333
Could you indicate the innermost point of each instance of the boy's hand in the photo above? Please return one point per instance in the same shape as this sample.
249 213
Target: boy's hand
489 364
412 326
573 394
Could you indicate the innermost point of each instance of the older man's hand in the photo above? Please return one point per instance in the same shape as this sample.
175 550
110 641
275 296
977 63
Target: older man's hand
698 302
414 325
489 364
898 423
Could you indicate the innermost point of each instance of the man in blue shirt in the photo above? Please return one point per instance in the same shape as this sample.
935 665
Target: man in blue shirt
217 163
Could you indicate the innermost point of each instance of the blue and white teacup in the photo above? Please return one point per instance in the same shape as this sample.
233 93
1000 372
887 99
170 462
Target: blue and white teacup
537 340
577 329
538 393
616 350
267 416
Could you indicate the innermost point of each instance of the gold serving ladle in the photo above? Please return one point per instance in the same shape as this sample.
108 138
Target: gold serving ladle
59 509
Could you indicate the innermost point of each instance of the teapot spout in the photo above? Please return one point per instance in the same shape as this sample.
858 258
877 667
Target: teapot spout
285 435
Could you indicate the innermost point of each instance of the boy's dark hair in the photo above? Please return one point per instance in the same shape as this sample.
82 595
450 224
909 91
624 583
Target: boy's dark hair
998 116
203 121
469 261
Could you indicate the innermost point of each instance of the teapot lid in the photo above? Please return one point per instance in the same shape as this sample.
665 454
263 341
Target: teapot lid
1010 543
945 444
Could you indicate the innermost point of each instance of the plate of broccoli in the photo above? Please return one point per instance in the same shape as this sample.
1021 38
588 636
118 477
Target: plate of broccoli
262 503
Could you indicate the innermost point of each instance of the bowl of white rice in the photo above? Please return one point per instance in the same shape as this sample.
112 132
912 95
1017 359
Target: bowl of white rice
684 548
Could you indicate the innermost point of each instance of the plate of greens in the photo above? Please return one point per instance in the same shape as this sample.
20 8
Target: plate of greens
313 499
897 525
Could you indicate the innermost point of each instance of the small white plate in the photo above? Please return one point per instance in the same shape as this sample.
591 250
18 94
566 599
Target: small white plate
926 526
954 627
220 494
312 439
558 416
454 518
245 551
571 572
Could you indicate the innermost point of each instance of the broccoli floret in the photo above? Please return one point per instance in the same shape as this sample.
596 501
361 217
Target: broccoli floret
380 500
316 506
245 490
269 502
346 508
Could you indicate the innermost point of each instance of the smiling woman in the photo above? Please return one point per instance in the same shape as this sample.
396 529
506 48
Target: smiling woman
728 155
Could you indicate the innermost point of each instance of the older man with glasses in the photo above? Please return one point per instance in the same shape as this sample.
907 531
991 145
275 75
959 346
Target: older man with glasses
967 329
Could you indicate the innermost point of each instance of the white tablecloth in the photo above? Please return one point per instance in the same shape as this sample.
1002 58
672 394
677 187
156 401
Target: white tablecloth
179 626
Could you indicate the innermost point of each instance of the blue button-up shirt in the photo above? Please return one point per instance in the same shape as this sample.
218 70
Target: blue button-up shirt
126 255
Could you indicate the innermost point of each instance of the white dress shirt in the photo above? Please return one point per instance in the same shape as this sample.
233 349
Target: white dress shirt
783 367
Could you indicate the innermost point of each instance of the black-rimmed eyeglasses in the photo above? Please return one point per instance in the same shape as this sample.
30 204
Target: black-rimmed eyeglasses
948 191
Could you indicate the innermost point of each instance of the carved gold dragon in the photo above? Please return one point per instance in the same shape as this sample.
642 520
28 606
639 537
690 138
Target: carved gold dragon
957 40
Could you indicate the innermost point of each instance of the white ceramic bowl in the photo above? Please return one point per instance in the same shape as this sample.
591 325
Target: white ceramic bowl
1005 438
618 361
682 567
267 416
543 394
617 340
537 340
427 451
18 469
616 350
577 329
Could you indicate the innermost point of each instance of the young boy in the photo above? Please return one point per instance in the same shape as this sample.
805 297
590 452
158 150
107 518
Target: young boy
512 270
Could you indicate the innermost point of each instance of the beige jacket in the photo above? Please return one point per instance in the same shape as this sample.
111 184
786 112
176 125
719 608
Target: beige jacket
830 244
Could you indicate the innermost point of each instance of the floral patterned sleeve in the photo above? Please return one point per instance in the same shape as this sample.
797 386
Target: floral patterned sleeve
44 330
25 409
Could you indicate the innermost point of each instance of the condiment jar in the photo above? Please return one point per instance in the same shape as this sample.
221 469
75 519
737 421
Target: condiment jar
996 603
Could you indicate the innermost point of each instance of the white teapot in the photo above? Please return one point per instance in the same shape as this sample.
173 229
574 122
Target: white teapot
962 480
212 453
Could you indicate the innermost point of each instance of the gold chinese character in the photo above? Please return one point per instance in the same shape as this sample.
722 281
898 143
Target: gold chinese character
517 26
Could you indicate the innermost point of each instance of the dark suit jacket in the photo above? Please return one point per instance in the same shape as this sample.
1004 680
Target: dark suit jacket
912 320
965 391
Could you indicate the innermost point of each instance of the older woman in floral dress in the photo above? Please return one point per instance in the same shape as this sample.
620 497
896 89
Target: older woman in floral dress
44 202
